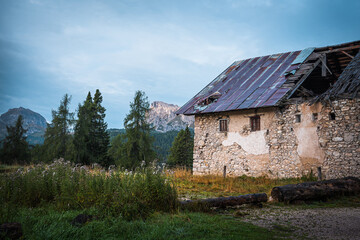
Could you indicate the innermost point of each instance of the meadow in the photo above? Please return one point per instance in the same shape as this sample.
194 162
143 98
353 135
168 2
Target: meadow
139 204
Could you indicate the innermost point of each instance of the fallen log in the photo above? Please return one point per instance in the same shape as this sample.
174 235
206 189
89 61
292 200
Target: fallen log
321 190
222 202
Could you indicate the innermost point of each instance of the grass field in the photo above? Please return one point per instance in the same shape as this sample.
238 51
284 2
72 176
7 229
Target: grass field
45 223
64 192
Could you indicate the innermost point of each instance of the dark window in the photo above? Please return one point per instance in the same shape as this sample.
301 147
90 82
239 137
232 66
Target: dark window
223 125
332 116
298 118
255 123
315 117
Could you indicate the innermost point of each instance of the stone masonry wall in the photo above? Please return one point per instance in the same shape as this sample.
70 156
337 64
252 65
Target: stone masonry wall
284 146
340 139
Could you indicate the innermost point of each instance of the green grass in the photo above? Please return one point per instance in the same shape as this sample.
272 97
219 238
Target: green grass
134 205
47 223
131 195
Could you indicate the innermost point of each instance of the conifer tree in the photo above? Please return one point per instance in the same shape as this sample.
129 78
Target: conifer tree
181 151
138 142
58 140
15 148
82 131
91 139
99 141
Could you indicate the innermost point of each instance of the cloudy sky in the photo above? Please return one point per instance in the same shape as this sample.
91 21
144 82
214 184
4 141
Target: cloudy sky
169 49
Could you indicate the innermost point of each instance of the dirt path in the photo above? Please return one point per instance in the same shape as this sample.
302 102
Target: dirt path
317 223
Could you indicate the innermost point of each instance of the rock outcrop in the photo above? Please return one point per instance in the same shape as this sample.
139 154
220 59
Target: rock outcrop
163 118
33 122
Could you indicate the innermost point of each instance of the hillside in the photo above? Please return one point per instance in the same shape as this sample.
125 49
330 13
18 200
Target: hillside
33 122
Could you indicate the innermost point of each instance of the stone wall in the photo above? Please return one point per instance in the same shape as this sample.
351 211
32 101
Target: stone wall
283 147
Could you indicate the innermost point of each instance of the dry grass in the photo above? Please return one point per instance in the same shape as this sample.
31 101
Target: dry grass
194 186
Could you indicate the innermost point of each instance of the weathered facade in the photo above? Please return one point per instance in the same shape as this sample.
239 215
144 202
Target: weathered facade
283 147
307 126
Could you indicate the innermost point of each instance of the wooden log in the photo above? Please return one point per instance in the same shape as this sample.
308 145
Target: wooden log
223 202
321 190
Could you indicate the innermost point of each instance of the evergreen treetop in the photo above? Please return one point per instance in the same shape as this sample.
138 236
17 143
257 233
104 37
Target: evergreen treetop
181 151
57 135
138 142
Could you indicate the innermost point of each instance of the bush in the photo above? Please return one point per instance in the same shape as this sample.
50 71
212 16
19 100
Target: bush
131 195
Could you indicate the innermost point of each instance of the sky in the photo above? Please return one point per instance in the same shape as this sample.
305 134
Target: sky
168 49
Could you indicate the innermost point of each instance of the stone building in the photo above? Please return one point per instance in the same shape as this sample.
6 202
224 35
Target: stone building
282 115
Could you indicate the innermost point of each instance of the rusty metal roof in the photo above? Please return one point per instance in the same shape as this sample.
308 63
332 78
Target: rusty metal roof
251 83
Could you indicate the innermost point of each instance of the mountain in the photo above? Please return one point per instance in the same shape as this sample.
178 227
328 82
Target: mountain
163 118
32 121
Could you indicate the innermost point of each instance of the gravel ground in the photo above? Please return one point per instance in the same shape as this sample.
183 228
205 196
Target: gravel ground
316 223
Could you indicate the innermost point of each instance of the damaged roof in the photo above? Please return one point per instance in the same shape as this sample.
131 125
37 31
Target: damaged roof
348 84
262 81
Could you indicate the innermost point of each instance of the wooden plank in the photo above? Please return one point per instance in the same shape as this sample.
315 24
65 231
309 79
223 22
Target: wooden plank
352 57
323 66
340 49
304 77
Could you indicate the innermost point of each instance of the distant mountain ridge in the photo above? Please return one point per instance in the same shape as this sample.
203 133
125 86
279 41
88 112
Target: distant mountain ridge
163 118
33 122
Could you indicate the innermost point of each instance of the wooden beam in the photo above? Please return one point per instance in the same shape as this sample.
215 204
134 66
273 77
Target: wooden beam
323 65
347 54
340 49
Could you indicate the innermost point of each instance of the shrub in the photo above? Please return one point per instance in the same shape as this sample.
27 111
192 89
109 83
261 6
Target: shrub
131 194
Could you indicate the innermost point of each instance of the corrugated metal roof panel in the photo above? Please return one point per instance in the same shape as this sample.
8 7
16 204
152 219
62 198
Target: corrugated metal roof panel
250 83
304 54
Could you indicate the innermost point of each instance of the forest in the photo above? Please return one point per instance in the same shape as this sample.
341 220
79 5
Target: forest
83 137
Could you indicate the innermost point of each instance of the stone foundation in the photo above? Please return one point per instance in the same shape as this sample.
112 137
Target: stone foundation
284 146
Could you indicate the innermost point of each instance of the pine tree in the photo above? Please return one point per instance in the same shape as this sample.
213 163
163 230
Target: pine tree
15 148
99 141
82 131
138 143
91 139
181 151
58 140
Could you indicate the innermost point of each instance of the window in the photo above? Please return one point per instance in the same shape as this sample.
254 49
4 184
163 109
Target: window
223 125
315 117
255 123
298 118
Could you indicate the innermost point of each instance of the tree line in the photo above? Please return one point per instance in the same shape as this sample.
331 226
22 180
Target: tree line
85 140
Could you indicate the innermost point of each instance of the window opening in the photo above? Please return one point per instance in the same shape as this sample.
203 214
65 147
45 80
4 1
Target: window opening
332 116
223 125
298 118
255 123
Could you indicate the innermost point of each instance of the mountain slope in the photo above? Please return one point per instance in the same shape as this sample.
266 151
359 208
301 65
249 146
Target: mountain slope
32 121
163 118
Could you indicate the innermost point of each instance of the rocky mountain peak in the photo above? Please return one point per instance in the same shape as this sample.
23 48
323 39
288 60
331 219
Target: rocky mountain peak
32 121
163 118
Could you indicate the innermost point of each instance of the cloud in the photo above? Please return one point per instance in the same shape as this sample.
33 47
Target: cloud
115 57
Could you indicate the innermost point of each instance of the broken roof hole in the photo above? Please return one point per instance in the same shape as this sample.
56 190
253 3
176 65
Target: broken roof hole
212 98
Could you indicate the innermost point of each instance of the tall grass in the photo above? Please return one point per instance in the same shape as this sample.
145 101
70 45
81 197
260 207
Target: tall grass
201 186
119 193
